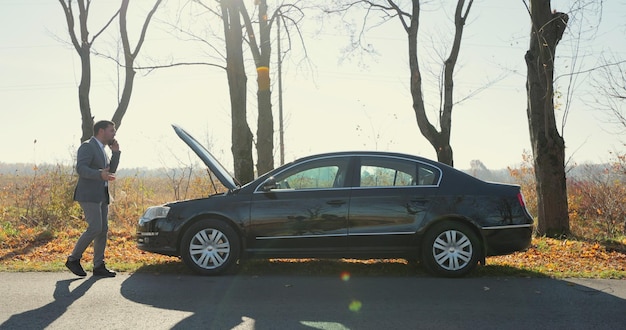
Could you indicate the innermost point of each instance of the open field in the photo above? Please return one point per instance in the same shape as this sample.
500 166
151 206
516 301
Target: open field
39 224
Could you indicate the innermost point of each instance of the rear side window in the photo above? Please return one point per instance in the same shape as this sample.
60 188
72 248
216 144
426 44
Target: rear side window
395 172
427 175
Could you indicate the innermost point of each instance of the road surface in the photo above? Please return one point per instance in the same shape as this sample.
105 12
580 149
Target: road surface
150 301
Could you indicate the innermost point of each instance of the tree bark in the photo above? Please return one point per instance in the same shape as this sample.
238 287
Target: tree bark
265 128
83 48
547 144
129 59
237 82
440 140
261 52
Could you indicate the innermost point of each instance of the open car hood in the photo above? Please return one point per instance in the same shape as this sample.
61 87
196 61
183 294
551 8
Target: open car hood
222 174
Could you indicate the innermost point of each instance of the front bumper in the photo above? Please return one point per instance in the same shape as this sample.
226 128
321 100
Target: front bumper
153 237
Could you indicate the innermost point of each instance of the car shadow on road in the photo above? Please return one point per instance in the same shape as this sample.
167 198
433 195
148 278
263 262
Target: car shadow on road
368 296
44 316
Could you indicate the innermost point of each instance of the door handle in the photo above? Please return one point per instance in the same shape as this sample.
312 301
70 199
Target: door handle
336 202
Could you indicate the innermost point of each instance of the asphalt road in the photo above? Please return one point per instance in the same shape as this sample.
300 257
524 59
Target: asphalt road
149 301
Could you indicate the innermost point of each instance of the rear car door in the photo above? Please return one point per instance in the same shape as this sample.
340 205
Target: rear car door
390 199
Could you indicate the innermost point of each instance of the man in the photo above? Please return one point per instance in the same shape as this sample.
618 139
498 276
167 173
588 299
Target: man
92 193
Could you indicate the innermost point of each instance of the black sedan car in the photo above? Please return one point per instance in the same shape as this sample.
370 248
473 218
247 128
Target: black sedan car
342 205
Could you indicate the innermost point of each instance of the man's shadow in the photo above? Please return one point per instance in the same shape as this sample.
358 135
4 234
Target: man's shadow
44 316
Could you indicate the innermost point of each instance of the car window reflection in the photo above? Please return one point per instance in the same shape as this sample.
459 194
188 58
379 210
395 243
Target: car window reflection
324 174
392 172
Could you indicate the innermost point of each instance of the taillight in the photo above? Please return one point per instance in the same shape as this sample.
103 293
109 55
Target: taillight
520 198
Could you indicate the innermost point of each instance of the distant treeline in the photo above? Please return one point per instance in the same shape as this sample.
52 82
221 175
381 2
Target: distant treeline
32 169
477 170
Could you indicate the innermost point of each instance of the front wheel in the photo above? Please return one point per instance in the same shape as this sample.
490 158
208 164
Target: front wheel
450 249
210 247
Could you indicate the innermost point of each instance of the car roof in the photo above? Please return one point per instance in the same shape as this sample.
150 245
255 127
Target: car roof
371 153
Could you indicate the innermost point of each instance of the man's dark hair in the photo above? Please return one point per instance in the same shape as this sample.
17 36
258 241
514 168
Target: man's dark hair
102 124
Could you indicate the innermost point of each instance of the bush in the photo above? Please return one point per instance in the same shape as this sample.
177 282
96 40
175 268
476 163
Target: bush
597 202
524 175
41 199
596 197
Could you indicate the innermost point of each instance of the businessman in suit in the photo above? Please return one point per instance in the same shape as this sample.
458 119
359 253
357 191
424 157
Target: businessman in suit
95 171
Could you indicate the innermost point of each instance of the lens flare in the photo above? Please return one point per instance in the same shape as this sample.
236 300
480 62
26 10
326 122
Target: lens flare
345 276
355 306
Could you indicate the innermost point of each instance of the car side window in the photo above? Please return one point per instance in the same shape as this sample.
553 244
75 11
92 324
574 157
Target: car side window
392 172
321 174
427 175
377 176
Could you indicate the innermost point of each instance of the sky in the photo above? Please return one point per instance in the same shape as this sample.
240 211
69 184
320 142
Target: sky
334 103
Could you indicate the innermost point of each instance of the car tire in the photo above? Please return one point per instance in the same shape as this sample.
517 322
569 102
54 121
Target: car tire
450 249
210 247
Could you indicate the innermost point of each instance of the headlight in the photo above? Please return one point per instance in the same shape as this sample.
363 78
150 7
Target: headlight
154 212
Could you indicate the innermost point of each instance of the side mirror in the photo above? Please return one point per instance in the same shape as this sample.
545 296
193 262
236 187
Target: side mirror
269 184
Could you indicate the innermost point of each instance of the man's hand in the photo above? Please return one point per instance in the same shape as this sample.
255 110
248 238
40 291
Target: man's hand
106 175
114 145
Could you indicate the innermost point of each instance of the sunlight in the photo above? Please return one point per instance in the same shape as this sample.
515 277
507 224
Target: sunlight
324 325
246 323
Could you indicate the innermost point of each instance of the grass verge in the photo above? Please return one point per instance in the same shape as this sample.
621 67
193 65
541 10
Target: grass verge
43 251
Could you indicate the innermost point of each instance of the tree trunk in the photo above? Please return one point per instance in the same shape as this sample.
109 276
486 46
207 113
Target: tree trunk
83 93
440 140
237 82
547 144
129 59
83 48
261 55
265 128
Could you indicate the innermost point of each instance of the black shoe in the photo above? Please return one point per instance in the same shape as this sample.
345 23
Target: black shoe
75 267
103 271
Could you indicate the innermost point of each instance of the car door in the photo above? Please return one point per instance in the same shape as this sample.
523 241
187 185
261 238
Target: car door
302 211
388 203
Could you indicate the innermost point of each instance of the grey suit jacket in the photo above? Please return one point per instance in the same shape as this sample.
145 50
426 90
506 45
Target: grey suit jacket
89 162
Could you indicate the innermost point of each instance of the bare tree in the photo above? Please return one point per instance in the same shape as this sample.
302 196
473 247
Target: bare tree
261 52
547 144
83 48
237 82
129 58
234 40
440 140
410 19
83 44
228 13
610 89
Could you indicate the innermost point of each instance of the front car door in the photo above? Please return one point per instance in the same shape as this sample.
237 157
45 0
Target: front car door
305 213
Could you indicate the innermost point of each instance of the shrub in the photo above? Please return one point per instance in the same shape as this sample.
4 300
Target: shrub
41 199
598 202
524 175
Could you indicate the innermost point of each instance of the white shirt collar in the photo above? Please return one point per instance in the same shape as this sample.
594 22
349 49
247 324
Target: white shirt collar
99 143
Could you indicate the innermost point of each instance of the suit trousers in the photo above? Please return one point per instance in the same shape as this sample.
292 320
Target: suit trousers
96 215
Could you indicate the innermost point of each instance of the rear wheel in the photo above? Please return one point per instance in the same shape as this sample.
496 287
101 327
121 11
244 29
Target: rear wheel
450 249
210 247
